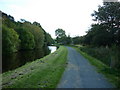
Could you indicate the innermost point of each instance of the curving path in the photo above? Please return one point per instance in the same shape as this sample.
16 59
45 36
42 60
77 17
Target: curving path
80 74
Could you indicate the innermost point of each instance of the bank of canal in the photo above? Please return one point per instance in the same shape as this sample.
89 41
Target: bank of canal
41 73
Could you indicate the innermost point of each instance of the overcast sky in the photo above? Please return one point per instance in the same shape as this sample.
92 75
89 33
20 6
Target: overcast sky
74 16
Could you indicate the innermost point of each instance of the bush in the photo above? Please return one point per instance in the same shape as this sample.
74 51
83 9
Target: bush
115 59
109 56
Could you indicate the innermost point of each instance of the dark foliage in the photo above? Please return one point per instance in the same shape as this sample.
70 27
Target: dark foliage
23 35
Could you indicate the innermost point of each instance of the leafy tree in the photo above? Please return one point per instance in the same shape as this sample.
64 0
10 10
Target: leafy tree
60 33
37 24
106 31
26 37
49 39
8 20
109 16
38 34
10 40
99 36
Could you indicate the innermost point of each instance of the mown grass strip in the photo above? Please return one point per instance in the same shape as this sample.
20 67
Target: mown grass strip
42 73
111 75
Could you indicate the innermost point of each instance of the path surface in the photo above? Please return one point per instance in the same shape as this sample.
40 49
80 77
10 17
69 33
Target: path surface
80 74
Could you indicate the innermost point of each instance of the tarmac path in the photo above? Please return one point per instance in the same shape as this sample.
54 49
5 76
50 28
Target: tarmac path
79 73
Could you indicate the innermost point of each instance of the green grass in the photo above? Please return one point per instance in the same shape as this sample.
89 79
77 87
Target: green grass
42 73
111 74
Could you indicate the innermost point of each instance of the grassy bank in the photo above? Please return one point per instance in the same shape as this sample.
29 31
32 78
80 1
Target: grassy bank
111 74
42 73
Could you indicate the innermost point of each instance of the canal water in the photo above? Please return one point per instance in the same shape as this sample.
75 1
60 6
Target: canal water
15 60
52 48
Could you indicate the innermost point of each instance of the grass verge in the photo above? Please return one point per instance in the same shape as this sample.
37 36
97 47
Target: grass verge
111 74
42 73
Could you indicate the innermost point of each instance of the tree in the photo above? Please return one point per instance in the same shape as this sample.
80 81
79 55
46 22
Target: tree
106 31
37 32
37 24
8 20
109 16
60 33
49 39
99 36
10 40
26 37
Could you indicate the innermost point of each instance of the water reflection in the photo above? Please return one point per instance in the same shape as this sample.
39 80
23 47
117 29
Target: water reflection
15 60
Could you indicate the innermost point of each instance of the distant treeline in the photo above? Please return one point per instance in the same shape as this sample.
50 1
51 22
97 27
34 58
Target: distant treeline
23 35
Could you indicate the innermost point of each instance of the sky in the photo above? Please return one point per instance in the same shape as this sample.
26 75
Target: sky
73 16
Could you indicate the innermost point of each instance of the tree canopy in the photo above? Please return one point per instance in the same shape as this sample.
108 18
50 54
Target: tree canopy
10 40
